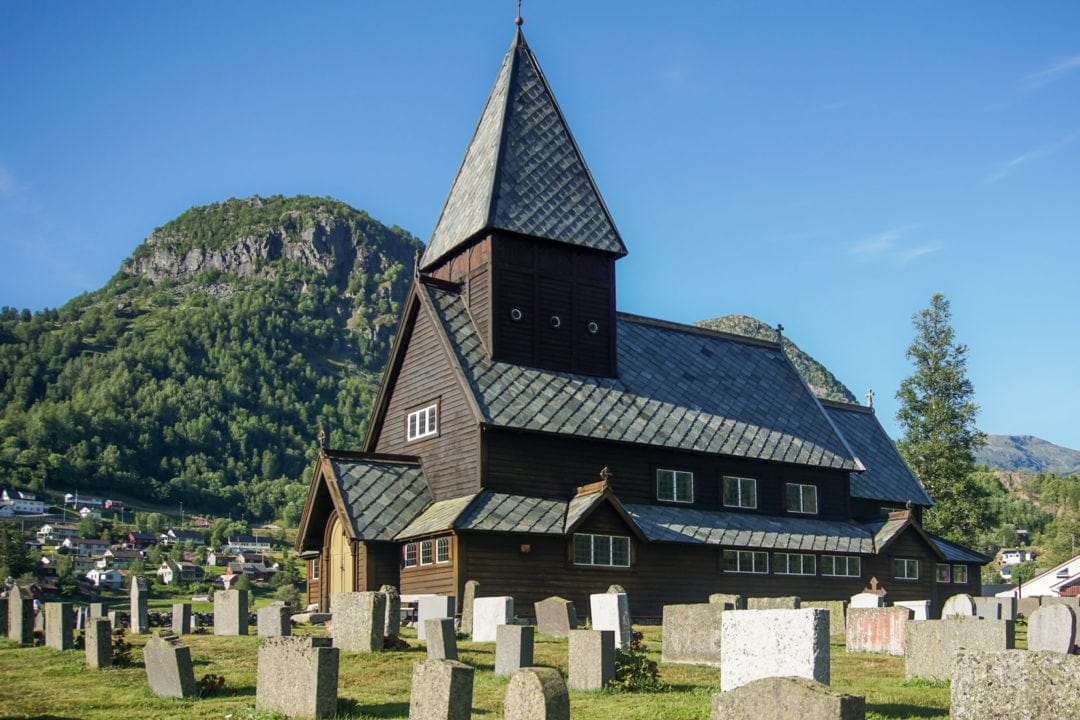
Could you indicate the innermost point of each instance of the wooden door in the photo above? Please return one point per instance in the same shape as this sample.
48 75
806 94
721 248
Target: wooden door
341 573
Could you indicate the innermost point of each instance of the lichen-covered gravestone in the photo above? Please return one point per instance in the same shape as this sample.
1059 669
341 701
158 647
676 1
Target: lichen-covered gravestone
358 621
98 642
931 645
298 677
758 644
467 600
691 633
488 614
555 616
274 621
59 626
441 690
592 659
537 693
231 612
440 638
1052 628
392 623
168 666
1014 684
959 605
513 648
787 698
877 630
20 616
181 618
140 614
729 601
837 613
784 602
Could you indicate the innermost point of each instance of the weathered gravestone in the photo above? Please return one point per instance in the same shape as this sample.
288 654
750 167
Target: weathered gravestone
592 659
787 698
866 600
467 600
1072 601
80 617
837 613
758 644
39 621
536 693
729 601
959 605
358 621
298 677
441 690
59 625
611 611
140 615
555 616
441 639
1027 605
513 648
392 623
877 630
430 607
995 608
168 666
787 602
181 618
1052 628
931 645
1014 685
691 633
920 609
117 618
20 616
231 612
274 621
98 643
488 614
98 610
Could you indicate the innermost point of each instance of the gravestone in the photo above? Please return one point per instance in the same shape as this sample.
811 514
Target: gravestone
920 609
140 615
787 602
274 621
555 616
959 605
995 608
392 623
1072 601
39 621
3 617
691 633
758 644
837 613
441 690
536 693
787 698
488 614
729 601
181 618
467 600
1027 605
1014 684
231 612
297 677
877 630
80 617
931 645
1052 628
98 643
59 625
441 639
513 648
591 659
358 621
168 666
20 616
431 607
867 599
98 610
611 611
116 618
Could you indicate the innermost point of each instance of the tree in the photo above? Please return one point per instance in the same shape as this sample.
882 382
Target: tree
937 416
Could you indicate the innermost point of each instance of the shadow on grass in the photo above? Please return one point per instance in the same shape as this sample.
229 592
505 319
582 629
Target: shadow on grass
901 710
347 707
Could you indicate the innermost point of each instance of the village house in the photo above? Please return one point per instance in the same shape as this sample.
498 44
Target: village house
105 578
86 547
528 436
23 502
141 540
179 537
247 543
173 571
119 558
55 533
88 512
1061 580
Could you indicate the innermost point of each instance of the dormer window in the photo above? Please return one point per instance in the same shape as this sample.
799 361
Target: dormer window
740 492
675 486
800 498
422 423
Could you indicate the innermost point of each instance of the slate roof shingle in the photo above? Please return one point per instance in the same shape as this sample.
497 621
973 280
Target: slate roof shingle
383 497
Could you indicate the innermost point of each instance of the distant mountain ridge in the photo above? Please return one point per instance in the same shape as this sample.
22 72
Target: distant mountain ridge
1027 453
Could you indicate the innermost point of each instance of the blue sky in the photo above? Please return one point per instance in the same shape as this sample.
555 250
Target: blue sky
828 166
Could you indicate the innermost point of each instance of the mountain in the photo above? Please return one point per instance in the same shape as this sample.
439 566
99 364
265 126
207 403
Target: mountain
1027 453
821 381
205 368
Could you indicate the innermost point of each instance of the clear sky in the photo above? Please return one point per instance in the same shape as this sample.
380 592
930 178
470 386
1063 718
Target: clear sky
828 166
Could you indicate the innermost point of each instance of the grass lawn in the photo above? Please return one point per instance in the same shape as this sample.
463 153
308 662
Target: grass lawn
43 683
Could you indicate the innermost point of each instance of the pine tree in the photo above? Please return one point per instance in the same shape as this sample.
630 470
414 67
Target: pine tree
937 416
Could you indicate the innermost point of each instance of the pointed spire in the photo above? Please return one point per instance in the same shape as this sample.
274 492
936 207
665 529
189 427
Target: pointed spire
522 171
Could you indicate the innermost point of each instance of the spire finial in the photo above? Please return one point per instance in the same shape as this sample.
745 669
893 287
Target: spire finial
322 439
517 20
870 398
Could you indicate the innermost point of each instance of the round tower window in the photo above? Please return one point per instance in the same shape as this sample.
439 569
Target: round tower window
555 321
516 314
593 328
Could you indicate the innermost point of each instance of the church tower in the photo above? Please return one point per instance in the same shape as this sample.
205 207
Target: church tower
526 232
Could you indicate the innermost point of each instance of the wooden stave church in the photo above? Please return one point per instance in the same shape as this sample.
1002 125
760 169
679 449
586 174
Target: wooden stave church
528 436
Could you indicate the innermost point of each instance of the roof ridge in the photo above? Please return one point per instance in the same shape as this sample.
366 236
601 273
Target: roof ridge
695 330
845 405
386 458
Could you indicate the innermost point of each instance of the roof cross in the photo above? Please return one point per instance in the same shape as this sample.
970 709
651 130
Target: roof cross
518 21
870 398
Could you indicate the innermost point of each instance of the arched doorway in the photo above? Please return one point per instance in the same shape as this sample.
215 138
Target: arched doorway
341 570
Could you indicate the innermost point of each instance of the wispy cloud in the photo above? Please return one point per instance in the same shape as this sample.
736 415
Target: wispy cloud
917 252
1053 73
893 244
1037 154
834 105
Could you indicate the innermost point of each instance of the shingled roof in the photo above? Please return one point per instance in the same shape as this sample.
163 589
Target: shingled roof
382 497
522 171
678 387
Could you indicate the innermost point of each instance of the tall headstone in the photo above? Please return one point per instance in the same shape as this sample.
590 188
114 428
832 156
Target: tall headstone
140 614
467 600
877 630
298 677
488 614
513 648
555 616
168 666
592 659
729 601
784 602
181 618
920 609
758 644
611 611
537 693
80 617
274 621
99 610
787 698
691 633
231 612
441 639
20 616
430 607
358 621
59 625
1027 605
98 643
1052 628
931 645
441 690
837 613
4 617
959 605
392 623
1014 684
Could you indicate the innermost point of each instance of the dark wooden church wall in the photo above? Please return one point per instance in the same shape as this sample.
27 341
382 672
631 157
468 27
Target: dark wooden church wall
437 578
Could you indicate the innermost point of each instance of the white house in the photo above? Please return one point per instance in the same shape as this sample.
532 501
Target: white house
108 577
89 512
23 502
1063 578
1015 556
248 543
56 533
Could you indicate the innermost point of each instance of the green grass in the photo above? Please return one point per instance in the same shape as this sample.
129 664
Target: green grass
43 683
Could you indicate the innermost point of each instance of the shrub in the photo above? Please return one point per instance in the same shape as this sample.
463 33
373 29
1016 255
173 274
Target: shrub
634 671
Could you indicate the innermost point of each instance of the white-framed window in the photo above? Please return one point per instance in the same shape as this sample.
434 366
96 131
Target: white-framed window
740 492
746 561
943 572
442 550
606 550
409 553
675 485
840 566
426 557
314 568
794 564
960 574
905 569
422 423
800 498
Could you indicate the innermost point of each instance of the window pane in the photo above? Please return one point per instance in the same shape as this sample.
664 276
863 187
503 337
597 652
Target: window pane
731 561
731 491
959 573
620 551
809 499
761 562
665 485
583 549
601 550
684 487
828 565
793 497
442 550
749 492
942 573
425 552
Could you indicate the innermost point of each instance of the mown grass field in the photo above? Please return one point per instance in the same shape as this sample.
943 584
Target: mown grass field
48 684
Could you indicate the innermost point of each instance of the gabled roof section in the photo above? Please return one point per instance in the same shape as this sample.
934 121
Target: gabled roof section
588 498
886 477
491 512
895 525
522 171
678 387
958 553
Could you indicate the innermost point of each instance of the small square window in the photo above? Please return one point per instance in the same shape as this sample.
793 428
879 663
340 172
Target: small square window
801 498
960 574
607 550
794 564
740 492
422 423
746 561
943 573
840 566
905 569
675 485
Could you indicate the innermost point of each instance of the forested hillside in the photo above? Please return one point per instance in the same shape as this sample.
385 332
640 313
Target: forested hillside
204 370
